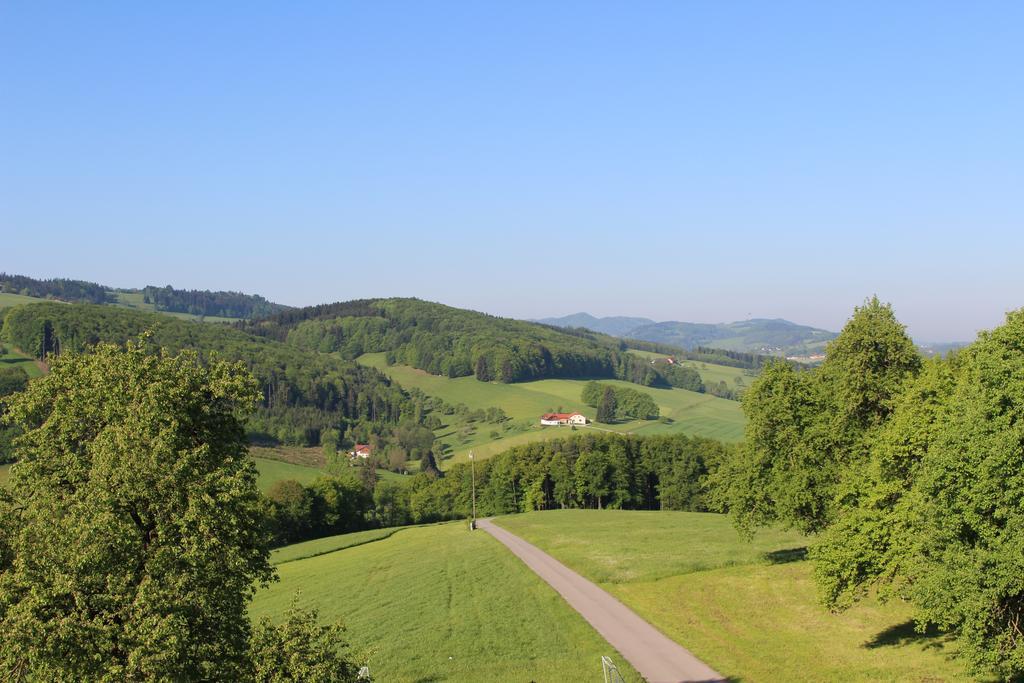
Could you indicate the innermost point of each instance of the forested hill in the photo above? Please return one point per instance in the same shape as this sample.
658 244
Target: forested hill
304 392
57 288
454 342
206 303
164 299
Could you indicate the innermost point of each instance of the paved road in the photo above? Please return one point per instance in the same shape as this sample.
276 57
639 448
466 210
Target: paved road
656 657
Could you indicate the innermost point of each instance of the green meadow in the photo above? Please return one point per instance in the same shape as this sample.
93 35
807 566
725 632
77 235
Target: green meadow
710 373
330 544
8 300
303 465
441 603
746 608
11 358
686 411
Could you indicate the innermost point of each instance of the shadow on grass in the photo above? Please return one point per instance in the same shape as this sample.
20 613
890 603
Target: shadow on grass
787 555
907 634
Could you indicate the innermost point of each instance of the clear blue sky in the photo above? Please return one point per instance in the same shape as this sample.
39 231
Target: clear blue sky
704 161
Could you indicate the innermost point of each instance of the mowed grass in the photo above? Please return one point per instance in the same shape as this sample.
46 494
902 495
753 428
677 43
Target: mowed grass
688 412
747 609
330 544
441 603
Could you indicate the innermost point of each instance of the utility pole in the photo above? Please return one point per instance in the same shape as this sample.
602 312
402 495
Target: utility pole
472 467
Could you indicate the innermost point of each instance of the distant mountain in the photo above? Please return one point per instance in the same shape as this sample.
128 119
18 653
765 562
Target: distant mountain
617 326
760 335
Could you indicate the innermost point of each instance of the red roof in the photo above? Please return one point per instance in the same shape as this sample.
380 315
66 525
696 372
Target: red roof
362 447
557 416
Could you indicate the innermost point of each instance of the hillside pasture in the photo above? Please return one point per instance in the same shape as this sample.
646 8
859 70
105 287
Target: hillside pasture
8 300
710 373
10 357
441 603
748 609
687 412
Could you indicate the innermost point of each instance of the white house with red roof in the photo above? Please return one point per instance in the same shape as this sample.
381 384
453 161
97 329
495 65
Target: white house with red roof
560 419
361 450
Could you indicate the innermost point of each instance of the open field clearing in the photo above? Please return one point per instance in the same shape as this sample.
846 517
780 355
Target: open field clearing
688 412
12 358
8 300
303 465
710 373
440 603
272 471
747 609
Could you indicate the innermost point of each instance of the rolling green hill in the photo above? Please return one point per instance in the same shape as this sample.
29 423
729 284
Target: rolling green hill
687 412
746 608
441 603
303 392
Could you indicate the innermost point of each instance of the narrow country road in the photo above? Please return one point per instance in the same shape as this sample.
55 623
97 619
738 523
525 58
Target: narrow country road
657 658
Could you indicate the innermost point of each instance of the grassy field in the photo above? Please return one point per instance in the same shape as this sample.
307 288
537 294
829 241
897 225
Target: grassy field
710 373
330 544
272 471
8 300
748 609
688 412
304 467
440 603
11 358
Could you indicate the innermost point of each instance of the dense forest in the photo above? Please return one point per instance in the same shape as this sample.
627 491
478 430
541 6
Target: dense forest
74 291
203 302
907 472
455 343
303 393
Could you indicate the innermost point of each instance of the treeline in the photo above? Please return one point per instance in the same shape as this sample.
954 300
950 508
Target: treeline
591 470
908 472
451 342
619 403
207 303
303 393
735 359
74 291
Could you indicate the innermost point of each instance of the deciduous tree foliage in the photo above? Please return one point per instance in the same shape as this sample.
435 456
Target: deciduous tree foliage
923 499
132 534
303 393
134 522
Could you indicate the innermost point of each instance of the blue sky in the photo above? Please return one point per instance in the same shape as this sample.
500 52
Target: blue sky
703 161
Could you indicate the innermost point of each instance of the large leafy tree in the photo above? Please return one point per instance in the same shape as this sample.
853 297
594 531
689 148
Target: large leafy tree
132 536
809 432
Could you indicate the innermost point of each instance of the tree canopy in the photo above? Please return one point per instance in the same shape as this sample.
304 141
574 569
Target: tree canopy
909 471
132 535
